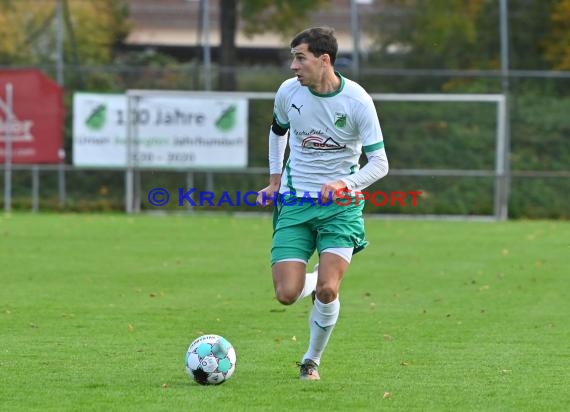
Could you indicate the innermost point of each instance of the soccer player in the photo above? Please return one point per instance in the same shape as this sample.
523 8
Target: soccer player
328 120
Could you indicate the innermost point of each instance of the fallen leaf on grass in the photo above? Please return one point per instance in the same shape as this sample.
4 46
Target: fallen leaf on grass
387 395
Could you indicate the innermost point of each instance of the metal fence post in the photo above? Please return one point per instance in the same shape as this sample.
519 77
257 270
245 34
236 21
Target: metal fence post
129 172
506 178
501 156
8 149
35 188
190 185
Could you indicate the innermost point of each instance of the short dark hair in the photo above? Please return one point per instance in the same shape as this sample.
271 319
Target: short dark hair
320 40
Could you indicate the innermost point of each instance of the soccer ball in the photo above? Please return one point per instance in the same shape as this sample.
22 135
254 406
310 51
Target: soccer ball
210 360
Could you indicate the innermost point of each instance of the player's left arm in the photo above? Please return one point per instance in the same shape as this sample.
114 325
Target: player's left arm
373 147
377 167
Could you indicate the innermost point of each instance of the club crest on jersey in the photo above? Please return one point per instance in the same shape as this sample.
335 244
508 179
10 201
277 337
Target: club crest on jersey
340 120
321 143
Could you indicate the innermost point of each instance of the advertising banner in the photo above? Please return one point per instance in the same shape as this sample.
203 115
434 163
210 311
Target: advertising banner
36 126
168 131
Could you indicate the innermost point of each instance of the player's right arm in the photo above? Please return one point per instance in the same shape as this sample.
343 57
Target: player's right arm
277 145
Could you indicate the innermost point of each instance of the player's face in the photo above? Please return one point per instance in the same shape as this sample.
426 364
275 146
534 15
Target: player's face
306 66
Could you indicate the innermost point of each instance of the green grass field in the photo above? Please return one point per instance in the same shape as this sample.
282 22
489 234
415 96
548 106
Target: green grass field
97 311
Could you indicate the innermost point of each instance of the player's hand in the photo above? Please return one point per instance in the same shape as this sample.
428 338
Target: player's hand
266 195
329 190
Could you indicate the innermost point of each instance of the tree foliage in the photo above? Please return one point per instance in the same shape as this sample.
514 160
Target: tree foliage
465 34
437 33
98 26
18 28
286 17
557 46
92 28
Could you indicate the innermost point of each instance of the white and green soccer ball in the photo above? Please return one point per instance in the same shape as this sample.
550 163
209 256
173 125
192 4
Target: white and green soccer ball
210 360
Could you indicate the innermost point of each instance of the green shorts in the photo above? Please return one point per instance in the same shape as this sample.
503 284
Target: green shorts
301 227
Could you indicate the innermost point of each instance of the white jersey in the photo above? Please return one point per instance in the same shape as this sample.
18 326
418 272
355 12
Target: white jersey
327 133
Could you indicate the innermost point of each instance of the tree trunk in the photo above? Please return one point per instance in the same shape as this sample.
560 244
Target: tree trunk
228 28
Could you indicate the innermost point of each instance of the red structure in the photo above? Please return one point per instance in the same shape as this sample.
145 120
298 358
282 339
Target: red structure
36 127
